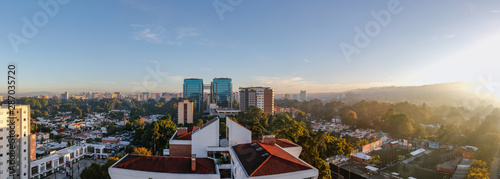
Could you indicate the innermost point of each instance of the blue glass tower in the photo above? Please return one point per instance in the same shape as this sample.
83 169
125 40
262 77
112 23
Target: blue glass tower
193 91
221 92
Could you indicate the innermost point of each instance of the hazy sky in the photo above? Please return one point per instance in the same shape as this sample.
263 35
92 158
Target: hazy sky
288 45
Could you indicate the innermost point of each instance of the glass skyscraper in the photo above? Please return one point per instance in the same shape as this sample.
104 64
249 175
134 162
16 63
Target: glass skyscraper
221 92
193 91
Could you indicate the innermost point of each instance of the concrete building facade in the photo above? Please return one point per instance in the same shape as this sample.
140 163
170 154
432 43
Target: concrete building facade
21 143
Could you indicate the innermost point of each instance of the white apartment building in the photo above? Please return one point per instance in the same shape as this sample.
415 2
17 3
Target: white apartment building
22 142
196 153
57 161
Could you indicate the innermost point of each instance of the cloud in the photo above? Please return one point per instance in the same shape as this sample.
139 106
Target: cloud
143 83
205 42
292 84
495 11
150 33
175 78
451 35
104 82
306 60
186 32
157 34
433 38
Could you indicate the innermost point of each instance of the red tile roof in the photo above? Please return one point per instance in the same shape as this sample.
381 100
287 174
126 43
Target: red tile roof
166 164
256 163
186 136
283 143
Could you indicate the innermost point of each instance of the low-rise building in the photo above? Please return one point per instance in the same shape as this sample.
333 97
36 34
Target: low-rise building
56 161
111 140
202 147
266 159
145 167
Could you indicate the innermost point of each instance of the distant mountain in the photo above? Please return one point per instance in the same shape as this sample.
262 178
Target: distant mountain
455 93
30 94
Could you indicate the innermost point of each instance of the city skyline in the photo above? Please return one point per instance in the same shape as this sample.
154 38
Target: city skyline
152 46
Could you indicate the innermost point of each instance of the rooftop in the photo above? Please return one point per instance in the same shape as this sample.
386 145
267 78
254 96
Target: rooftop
166 164
186 136
283 143
267 160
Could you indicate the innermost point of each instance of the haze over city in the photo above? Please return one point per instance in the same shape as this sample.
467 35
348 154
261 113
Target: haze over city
291 46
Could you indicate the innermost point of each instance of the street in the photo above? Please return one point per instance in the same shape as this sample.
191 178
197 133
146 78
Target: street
494 168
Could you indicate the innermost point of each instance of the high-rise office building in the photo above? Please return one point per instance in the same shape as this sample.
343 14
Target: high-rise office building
262 97
20 143
303 95
221 92
193 91
65 95
185 112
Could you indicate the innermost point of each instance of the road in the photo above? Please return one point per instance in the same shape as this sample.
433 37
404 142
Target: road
494 168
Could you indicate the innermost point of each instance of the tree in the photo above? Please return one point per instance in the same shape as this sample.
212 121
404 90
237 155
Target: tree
257 129
400 157
399 124
199 122
350 118
94 171
374 159
157 135
129 149
478 170
166 117
98 171
288 128
449 133
141 151
478 164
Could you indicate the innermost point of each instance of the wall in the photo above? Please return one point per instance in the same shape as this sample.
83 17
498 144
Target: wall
119 173
206 136
180 150
237 134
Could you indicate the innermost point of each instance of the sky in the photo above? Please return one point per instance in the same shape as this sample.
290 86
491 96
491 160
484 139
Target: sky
292 45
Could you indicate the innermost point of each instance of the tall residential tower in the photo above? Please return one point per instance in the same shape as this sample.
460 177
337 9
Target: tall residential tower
262 97
20 144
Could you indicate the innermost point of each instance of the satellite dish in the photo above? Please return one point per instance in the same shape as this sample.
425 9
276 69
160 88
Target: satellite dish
224 143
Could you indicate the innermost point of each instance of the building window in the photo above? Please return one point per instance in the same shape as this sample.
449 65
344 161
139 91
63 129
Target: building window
24 150
1 130
1 146
1 138
24 119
